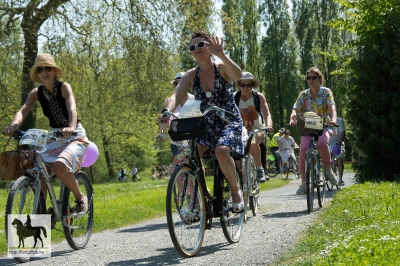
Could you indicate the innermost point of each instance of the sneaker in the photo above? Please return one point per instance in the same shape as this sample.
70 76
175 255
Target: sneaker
260 175
341 183
302 189
238 207
332 178
82 205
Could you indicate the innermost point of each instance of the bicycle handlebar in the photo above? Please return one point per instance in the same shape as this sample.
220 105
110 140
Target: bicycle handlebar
57 134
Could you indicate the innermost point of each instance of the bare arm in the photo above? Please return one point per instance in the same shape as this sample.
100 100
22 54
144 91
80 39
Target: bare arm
332 109
22 113
265 110
66 91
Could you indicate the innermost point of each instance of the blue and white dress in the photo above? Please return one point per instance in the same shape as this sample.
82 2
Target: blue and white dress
220 132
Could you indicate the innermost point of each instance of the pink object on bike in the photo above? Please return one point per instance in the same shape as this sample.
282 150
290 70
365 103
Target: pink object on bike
92 153
336 149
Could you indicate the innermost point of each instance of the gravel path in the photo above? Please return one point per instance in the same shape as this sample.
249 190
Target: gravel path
282 215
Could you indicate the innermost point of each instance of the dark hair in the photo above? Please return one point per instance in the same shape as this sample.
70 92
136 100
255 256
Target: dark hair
200 33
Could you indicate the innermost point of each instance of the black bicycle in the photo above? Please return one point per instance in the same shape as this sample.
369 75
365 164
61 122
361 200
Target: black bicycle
190 206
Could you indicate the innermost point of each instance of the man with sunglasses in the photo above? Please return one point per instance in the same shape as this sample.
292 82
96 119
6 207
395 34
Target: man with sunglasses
319 100
164 126
255 113
212 86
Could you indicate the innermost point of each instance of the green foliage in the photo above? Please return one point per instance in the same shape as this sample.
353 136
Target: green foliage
375 101
360 227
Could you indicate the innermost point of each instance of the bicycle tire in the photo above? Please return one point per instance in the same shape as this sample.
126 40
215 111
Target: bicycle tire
186 225
23 190
231 222
295 168
321 190
246 184
310 173
271 169
334 169
77 231
253 185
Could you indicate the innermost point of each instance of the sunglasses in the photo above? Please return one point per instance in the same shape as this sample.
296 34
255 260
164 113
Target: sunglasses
40 69
287 133
313 77
175 83
250 85
199 44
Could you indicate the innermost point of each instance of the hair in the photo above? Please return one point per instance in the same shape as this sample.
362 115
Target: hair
287 130
200 33
316 70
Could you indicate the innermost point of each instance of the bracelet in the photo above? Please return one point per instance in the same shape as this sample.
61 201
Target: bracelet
165 109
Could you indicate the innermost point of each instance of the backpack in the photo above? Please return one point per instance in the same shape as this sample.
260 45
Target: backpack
256 102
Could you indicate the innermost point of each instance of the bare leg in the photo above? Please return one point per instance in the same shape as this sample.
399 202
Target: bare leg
68 179
255 150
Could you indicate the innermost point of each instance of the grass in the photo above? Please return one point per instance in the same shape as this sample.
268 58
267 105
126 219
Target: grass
361 226
121 204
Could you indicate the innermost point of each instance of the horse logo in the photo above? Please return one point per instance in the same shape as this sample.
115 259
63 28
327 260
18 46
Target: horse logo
27 230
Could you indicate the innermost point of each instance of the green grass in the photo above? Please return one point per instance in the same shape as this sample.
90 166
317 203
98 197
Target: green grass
361 226
121 204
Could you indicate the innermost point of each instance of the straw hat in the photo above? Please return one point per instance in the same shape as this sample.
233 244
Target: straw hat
177 76
247 76
43 60
282 130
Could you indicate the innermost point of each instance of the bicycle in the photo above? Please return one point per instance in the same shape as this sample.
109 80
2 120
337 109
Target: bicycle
270 167
291 166
313 161
334 167
190 205
251 190
26 195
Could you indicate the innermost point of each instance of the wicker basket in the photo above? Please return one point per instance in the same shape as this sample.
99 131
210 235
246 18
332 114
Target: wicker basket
13 164
303 131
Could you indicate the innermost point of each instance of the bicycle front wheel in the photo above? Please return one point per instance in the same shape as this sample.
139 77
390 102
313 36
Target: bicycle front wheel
21 201
78 229
310 177
294 166
231 222
186 211
271 169
254 187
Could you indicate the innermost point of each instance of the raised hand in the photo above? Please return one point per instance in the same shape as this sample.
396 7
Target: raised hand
216 45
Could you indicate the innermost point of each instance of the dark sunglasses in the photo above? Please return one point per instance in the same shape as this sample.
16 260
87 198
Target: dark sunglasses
199 44
175 83
40 69
313 77
287 133
250 85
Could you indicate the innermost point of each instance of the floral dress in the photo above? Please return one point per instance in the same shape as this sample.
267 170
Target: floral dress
220 132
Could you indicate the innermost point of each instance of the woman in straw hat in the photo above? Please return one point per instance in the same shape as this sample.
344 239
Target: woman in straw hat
255 113
58 104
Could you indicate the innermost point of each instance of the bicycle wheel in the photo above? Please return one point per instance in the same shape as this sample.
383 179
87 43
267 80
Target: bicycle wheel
321 189
21 200
310 177
271 169
77 230
231 222
294 166
246 184
253 186
186 211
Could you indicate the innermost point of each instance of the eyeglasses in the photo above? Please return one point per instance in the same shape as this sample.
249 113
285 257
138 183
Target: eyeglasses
175 83
40 69
287 133
249 85
313 77
199 44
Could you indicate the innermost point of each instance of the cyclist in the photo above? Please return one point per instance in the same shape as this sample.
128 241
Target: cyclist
339 139
255 113
212 85
58 105
286 148
274 146
187 97
319 100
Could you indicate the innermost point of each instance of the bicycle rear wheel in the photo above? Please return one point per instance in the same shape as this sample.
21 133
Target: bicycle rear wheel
186 211
294 166
78 229
231 222
21 201
271 169
253 186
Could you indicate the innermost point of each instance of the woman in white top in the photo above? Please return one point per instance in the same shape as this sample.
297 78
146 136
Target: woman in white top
286 148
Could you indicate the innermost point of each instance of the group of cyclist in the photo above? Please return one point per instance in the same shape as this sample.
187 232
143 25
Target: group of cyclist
212 85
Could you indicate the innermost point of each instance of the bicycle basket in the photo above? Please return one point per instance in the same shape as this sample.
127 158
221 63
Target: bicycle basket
35 137
187 128
13 164
313 127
